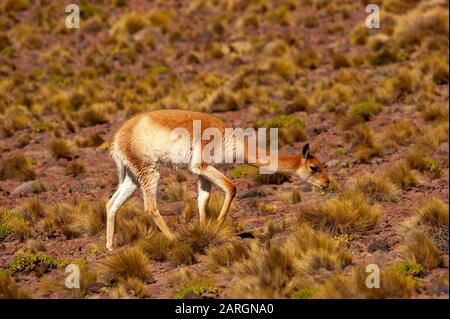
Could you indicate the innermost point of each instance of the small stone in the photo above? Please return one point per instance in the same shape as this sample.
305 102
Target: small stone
378 245
332 163
24 188
95 287
249 194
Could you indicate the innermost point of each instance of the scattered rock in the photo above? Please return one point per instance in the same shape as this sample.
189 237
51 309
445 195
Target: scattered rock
378 245
250 193
95 286
332 163
443 149
24 188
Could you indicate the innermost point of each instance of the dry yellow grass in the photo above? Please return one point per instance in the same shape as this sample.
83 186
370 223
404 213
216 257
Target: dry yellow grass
196 238
432 216
346 213
16 167
420 249
392 285
225 255
315 250
401 175
10 290
129 263
375 188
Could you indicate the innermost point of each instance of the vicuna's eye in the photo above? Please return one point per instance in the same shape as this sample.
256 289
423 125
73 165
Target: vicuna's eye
314 169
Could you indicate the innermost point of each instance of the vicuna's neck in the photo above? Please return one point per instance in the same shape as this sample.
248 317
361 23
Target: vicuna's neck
287 164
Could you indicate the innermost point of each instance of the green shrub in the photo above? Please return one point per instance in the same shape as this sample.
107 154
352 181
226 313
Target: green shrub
29 262
243 171
365 109
196 289
409 269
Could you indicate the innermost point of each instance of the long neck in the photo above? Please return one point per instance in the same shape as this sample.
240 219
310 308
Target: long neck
287 164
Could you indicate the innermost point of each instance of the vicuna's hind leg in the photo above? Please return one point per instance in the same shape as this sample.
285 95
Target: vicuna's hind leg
123 192
216 177
204 191
149 184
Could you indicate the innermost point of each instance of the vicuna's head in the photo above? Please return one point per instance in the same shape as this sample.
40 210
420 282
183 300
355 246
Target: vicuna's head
311 170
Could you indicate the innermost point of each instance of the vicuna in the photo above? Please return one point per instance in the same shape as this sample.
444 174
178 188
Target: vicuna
145 142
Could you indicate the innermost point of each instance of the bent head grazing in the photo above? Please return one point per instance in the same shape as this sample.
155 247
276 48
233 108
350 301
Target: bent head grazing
311 170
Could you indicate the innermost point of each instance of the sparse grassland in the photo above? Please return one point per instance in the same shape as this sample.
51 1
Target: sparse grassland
375 104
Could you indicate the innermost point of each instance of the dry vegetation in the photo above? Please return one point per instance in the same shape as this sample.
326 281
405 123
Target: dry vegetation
374 101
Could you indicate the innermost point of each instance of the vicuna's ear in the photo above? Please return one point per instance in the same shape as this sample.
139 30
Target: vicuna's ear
305 150
313 150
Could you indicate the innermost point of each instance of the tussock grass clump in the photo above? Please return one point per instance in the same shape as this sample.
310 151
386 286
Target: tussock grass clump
12 223
363 143
93 140
94 114
128 25
266 273
315 250
432 215
283 67
308 58
15 5
433 136
376 188
418 29
420 249
132 224
397 87
32 210
267 209
73 220
197 238
392 285
401 175
76 168
401 132
16 167
224 101
9 289
300 104
129 288
129 263
347 213
176 191
87 276
435 112
311 22
157 247
339 61
62 149
225 255
418 159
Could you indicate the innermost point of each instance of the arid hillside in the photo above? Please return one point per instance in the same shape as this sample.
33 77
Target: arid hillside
374 102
